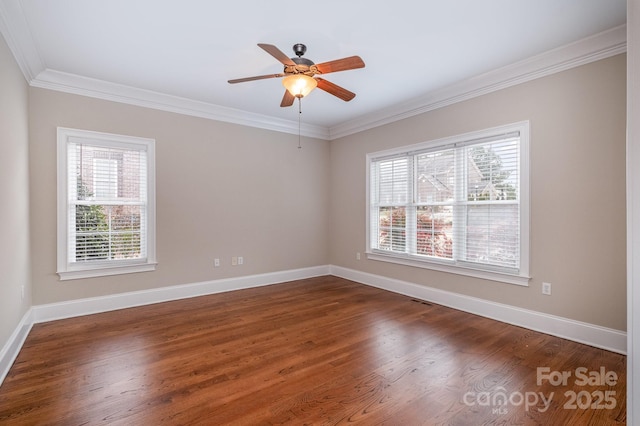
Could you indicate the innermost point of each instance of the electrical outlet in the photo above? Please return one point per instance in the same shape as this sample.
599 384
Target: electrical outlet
546 289
216 262
240 260
358 256
234 261
22 290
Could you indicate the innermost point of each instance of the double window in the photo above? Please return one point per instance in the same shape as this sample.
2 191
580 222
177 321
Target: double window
106 204
458 204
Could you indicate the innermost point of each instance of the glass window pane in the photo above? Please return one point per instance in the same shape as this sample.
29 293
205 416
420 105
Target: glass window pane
391 229
435 231
105 232
92 238
105 178
109 173
393 181
492 171
126 231
435 177
492 235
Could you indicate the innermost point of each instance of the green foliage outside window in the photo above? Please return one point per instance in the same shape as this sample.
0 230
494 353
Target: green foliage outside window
92 229
105 232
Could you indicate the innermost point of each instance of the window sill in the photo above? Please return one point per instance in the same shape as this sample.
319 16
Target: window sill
106 271
502 277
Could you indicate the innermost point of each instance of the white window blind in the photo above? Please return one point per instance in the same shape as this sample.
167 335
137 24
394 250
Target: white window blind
106 204
105 177
455 204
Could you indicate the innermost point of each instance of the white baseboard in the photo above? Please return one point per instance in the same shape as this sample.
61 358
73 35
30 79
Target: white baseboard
74 308
11 349
581 332
601 337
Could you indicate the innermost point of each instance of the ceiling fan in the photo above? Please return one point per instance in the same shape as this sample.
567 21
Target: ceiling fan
299 74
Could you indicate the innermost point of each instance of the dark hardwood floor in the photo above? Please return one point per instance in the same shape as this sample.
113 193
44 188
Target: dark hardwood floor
316 351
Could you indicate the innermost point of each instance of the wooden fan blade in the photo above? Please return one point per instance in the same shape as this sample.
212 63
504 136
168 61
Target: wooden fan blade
344 64
335 90
277 53
257 77
287 99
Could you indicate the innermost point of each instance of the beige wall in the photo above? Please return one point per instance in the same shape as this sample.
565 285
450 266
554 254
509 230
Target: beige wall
577 152
222 190
14 193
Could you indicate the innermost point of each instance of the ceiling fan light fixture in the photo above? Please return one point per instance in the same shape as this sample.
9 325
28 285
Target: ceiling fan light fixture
299 85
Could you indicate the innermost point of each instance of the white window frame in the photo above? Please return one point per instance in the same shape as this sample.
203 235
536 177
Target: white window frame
518 277
68 269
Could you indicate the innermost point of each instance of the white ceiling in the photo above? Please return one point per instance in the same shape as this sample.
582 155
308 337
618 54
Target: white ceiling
178 55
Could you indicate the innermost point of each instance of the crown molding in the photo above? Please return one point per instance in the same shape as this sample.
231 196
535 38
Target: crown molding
94 88
14 29
582 52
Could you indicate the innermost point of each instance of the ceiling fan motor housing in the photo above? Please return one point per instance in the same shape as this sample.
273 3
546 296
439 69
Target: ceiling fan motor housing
302 61
299 49
302 64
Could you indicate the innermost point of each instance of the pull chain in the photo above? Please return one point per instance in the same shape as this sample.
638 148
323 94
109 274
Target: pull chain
299 114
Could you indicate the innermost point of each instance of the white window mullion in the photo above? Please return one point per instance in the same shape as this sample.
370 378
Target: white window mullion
460 205
411 221
71 167
374 203
71 239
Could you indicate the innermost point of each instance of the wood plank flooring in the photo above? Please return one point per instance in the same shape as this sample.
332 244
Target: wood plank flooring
316 351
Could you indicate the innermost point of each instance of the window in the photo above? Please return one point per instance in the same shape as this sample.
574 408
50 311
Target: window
106 204
459 204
